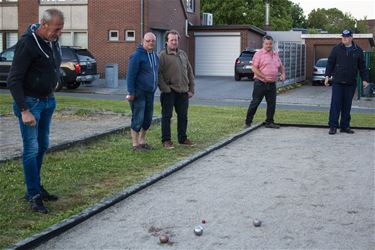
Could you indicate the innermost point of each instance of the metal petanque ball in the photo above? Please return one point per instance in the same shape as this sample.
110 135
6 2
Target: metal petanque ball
163 238
257 223
198 230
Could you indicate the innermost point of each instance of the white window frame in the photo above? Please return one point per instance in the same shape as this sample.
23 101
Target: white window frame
111 38
129 38
190 5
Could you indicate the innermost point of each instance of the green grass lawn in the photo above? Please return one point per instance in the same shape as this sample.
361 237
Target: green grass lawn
84 174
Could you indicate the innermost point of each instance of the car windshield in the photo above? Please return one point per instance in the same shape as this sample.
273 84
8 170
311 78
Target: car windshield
247 54
8 55
84 54
321 63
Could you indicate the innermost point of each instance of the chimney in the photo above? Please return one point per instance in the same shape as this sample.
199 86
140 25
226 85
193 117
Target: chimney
267 25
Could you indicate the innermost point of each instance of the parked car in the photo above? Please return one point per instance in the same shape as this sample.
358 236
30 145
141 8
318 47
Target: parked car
242 65
80 61
77 66
318 72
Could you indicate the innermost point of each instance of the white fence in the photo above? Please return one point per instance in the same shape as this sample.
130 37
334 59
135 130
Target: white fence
293 56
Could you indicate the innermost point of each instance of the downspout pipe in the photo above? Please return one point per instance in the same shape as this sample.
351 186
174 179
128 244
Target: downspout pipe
142 17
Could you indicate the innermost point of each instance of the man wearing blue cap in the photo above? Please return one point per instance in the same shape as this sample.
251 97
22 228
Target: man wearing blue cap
344 62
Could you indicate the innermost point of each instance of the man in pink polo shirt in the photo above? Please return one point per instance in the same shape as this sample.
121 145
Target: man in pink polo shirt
266 68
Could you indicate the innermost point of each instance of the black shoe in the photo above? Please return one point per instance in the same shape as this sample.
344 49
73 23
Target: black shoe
247 124
47 196
36 204
346 130
271 125
332 131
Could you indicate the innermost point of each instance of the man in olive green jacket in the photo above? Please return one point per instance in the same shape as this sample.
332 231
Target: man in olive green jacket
176 84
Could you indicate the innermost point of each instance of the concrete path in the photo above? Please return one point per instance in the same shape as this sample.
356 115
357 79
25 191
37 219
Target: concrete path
63 130
310 190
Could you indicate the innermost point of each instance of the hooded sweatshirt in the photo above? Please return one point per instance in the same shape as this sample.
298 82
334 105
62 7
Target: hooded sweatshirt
35 68
142 71
344 64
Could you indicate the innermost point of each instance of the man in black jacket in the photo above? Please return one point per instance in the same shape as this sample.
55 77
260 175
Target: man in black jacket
344 62
32 78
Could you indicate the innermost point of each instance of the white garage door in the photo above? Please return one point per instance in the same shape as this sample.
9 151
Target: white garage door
215 53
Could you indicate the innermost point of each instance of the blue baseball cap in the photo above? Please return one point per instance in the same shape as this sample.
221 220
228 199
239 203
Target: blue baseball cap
346 33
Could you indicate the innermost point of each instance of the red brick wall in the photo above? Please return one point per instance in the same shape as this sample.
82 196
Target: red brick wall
105 15
166 15
28 13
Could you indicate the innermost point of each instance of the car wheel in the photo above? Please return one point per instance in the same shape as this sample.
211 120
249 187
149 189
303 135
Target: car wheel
59 86
315 83
237 77
73 85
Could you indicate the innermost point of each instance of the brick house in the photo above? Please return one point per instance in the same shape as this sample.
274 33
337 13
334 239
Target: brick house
111 30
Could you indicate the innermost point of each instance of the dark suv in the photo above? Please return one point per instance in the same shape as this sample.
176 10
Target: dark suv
242 65
78 61
77 66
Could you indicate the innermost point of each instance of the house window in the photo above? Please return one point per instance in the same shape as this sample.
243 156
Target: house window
113 35
130 35
74 38
190 5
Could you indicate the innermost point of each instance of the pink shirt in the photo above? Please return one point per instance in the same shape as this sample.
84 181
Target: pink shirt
268 63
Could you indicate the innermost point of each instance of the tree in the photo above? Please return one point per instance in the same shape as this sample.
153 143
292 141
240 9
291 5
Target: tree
298 18
250 12
334 21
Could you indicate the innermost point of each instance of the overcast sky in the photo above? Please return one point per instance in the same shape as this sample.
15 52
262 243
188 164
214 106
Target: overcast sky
357 8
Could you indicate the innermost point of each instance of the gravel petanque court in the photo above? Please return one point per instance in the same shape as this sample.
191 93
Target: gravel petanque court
310 190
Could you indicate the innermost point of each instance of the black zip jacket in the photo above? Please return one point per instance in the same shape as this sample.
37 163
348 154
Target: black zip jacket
344 66
35 68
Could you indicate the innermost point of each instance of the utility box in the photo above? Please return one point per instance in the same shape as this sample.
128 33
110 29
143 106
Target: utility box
111 75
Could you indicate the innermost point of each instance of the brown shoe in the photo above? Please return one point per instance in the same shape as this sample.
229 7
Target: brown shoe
187 142
138 148
168 145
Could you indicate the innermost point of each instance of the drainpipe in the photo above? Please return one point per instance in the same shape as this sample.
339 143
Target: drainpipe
142 17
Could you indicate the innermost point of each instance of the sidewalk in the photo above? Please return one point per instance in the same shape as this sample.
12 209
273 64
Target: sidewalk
64 131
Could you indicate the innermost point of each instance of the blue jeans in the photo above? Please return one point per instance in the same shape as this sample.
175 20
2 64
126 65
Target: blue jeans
142 110
341 103
35 140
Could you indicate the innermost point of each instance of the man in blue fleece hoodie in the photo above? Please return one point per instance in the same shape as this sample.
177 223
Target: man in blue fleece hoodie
32 78
142 81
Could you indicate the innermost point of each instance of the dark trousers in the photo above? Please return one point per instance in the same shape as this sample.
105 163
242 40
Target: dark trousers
341 102
261 90
180 101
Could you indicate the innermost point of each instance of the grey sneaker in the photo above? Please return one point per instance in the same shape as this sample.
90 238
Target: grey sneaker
271 125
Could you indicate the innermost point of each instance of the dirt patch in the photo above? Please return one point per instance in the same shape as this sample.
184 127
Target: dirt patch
86 114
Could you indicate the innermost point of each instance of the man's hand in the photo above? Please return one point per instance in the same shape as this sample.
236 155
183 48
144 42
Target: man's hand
282 76
130 98
326 81
268 79
365 84
28 118
190 94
